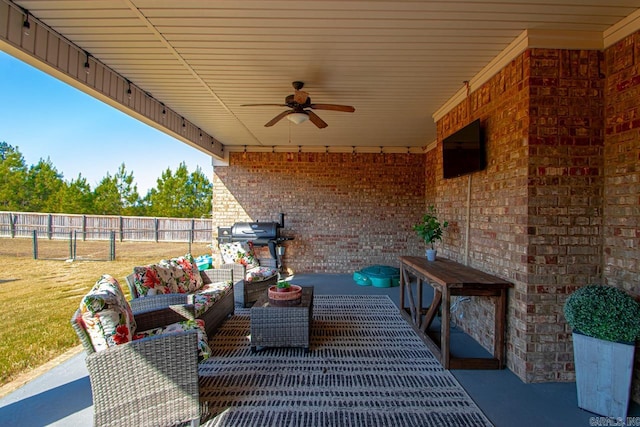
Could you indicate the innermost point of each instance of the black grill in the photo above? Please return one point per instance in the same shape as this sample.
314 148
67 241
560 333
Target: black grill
258 233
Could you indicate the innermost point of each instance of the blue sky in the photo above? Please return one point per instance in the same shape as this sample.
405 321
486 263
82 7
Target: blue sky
46 118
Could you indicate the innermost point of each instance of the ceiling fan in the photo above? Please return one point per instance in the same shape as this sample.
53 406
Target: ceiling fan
300 107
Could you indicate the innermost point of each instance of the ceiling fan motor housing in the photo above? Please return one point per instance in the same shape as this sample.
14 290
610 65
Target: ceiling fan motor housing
291 102
297 102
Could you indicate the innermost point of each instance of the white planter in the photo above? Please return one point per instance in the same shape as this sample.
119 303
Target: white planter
431 254
603 375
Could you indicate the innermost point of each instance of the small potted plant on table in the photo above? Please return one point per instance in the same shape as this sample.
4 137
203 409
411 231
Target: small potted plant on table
430 230
283 286
284 291
606 324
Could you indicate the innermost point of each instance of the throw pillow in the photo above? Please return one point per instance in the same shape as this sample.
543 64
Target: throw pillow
189 265
152 280
239 253
106 314
184 274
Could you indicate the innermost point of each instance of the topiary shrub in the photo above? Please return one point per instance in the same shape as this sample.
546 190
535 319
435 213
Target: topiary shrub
603 312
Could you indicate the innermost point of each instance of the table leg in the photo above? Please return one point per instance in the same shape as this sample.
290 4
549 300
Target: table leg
402 282
433 310
499 322
419 285
412 304
444 329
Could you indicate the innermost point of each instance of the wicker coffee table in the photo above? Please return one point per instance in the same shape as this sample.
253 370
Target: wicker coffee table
282 324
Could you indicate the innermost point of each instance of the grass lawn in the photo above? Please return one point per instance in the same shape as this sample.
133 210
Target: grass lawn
38 297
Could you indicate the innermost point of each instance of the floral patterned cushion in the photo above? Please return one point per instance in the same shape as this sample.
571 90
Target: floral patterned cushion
239 253
204 351
190 280
259 274
209 295
152 280
177 275
106 314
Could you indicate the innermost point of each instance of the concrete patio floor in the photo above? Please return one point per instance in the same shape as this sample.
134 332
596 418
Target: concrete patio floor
62 395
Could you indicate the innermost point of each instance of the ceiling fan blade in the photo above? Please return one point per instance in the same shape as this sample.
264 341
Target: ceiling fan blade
264 105
277 118
334 107
300 96
316 120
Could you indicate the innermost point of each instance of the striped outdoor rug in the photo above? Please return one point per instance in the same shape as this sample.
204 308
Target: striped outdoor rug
366 367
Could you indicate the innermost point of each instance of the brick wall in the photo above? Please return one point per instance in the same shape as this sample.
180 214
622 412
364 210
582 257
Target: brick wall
622 171
565 198
558 196
345 211
497 209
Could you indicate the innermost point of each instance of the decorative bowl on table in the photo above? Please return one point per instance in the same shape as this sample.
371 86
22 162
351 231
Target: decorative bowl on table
288 293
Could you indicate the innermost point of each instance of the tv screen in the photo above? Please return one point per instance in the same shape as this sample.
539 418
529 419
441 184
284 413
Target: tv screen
463 151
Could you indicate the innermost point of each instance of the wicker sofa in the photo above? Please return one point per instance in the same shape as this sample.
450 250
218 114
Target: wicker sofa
193 294
143 366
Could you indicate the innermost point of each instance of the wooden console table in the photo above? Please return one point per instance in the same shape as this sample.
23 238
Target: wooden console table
449 278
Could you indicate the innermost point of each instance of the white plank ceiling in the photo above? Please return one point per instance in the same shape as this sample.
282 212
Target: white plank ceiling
396 62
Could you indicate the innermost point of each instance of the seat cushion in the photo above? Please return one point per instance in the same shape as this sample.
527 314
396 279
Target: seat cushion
204 351
106 314
209 294
258 274
238 253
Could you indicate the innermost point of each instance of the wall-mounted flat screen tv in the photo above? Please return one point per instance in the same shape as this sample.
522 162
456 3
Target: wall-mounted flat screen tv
463 152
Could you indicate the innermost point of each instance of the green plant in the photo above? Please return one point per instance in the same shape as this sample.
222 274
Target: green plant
430 229
282 284
603 312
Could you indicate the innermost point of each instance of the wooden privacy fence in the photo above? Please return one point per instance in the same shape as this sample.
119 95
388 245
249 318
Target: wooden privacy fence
104 227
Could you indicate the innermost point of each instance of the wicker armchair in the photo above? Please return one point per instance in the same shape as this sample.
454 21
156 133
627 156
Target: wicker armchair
252 275
148 382
247 292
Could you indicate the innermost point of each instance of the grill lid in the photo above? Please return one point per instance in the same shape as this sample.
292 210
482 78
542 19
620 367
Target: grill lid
254 230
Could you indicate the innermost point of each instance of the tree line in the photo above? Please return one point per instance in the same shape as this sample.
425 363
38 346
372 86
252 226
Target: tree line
41 188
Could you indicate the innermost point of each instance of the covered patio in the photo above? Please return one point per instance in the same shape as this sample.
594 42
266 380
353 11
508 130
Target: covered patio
62 396
554 85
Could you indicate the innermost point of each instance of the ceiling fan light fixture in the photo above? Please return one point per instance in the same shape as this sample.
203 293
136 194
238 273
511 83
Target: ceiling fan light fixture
297 118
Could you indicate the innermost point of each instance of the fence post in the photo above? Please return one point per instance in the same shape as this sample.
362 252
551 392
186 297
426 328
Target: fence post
12 226
35 244
50 226
156 224
190 239
71 245
112 246
121 228
84 228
